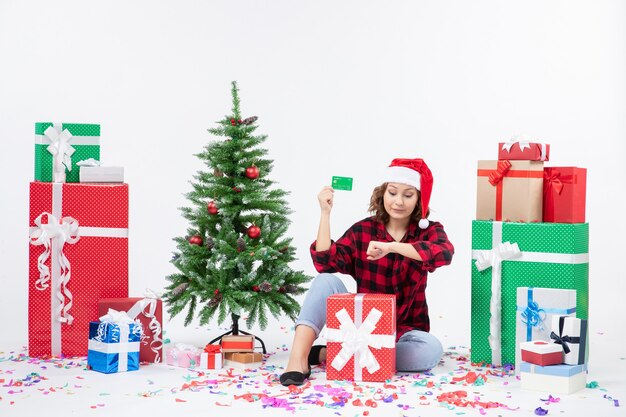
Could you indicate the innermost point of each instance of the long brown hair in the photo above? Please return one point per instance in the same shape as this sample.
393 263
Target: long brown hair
377 205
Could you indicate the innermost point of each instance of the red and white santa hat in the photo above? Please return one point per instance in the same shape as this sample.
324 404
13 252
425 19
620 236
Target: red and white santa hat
416 173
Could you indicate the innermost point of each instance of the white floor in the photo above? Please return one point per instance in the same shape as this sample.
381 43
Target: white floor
61 387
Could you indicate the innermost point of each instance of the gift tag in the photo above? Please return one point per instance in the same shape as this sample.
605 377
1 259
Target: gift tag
342 183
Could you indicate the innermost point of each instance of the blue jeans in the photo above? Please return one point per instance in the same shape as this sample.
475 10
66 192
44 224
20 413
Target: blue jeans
416 350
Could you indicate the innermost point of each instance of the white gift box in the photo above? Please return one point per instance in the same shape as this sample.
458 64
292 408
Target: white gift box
101 174
561 379
571 334
535 309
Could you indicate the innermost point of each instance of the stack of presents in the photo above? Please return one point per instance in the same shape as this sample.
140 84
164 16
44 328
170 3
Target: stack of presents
78 303
530 268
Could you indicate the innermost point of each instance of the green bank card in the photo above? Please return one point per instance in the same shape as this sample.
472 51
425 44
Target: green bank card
342 183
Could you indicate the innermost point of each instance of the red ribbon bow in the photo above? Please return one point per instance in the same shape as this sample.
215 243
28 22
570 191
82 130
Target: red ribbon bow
500 172
552 181
209 348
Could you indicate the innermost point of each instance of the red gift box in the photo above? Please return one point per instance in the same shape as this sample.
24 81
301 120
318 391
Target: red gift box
149 311
524 151
78 255
361 337
564 194
541 353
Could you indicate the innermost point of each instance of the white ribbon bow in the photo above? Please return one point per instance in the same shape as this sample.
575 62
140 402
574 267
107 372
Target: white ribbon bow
357 341
150 301
61 151
65 231
89 163
493 259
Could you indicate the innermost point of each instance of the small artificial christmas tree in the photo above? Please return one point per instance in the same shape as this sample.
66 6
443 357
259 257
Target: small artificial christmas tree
234 258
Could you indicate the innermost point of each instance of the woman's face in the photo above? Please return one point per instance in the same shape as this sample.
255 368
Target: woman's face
400 200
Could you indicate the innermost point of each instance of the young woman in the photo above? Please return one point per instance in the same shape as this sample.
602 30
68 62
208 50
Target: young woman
391 252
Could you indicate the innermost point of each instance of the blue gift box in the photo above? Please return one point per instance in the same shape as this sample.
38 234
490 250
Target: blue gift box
114 347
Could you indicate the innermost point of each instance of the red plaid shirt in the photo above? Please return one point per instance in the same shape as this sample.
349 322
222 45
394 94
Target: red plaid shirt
394 273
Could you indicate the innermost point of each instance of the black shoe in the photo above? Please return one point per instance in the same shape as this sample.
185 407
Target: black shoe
294 377
314 354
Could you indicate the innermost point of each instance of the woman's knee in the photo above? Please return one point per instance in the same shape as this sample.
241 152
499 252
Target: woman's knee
327 281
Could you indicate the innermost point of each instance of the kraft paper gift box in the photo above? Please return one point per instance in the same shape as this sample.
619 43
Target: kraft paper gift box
572 334
114 344
183 355
59 146
511 255
361 337
238 343
509 191
243 360
212 357
149 311
524 151
560 379
564 194
535 309
78 254
542 353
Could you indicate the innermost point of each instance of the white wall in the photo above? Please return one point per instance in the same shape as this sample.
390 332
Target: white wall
341 88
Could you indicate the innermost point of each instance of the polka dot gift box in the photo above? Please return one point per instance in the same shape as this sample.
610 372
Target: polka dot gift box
509 255
78 255
361 337
60 146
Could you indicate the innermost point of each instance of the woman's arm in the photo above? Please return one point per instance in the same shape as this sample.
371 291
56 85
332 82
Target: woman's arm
377 250
325 198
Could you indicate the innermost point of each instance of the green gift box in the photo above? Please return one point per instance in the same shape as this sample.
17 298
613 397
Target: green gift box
509 255
58 147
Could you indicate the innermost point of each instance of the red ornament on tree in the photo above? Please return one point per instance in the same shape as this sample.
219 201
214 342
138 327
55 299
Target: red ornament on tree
252 172
254 231
233 122
195 240
237 189
212 207
256 288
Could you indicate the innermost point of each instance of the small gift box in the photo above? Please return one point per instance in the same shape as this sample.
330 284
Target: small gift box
524 151
114 343
510 191
92 171
361 337
212 357
183 355
59 146
238 343
243 360
564 194
561 379
542 353
571 334
149 311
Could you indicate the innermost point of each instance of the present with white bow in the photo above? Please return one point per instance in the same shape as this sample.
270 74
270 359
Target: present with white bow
535 309
59 146
564 194
510 191
509 255
523 150
361 337
78 252
114 343
183 355
149 311
92 170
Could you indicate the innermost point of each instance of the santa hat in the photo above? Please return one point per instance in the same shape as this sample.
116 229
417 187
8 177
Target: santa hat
416 173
